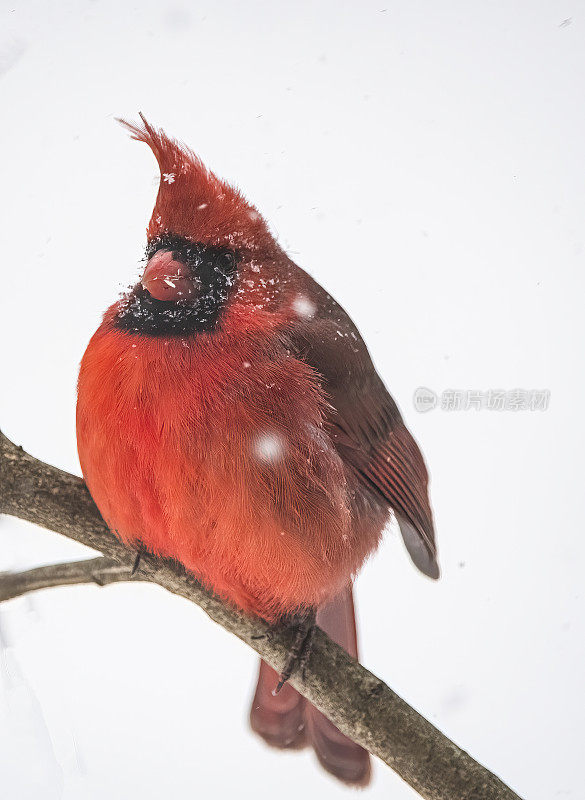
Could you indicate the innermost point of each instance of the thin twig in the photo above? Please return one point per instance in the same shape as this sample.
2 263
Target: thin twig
354 699
101 571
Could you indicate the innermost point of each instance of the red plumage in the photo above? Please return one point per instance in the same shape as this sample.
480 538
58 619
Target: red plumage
192 201
241 428
221 502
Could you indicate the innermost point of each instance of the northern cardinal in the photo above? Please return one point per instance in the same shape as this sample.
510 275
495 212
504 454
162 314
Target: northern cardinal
229 416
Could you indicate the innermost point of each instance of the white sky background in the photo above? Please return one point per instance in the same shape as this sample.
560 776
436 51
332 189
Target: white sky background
425 162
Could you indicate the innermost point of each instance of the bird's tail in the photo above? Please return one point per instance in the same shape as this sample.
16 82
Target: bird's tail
288 721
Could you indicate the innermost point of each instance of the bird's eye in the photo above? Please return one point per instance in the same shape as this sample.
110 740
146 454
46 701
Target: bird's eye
225 261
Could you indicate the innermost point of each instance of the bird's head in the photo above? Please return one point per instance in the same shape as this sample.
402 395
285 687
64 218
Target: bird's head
211 260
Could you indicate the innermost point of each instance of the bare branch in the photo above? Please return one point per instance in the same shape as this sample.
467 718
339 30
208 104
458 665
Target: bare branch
101 571
354 699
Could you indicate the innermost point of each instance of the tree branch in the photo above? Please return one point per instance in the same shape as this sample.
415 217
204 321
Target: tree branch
354 699
101 571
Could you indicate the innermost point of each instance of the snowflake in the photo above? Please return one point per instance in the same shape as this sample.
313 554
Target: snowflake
269 447
303 306
169 177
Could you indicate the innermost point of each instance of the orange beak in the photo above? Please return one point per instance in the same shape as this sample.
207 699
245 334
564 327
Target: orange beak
165 278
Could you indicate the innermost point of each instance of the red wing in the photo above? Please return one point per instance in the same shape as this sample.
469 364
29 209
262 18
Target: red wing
393 466
368 430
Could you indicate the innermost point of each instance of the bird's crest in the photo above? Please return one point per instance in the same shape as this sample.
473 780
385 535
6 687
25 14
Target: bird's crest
192 201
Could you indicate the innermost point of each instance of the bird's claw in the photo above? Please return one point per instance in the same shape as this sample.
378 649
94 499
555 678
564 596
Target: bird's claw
136 565
298 655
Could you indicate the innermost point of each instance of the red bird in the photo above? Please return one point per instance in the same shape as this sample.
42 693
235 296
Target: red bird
229 416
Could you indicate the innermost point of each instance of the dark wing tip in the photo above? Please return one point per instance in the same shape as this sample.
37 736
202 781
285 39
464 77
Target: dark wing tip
434 571
421 556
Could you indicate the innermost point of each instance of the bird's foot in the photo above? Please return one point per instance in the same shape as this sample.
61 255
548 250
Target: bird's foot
303 626
136 566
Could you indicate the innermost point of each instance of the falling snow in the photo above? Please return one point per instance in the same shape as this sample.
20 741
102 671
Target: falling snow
303 306
269 447
59 755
